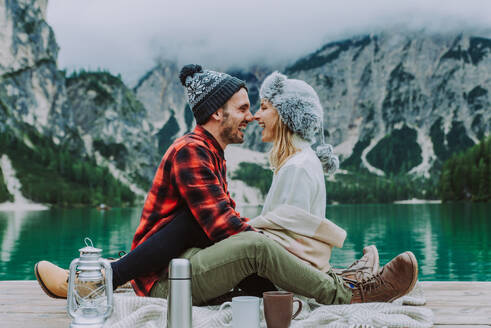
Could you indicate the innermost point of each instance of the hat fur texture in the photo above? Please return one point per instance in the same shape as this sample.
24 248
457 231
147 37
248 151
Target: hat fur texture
300 109
297 103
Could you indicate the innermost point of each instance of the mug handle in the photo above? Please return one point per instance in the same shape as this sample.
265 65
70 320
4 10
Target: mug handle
219 310
299 308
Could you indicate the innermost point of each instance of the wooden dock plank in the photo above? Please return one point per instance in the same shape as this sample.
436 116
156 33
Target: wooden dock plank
459 303
24 304
454 304
461 326
462 315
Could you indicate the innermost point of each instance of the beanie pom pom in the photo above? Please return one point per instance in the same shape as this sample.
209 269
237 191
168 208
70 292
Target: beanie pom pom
189 70
330 162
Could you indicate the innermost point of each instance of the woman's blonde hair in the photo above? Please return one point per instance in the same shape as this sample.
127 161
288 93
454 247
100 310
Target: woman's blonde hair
282 144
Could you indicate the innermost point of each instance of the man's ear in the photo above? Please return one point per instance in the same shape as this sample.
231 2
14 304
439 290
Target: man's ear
218 115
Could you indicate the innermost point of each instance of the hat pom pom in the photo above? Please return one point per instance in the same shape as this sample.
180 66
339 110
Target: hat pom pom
277 80
272 85
189 70
330 162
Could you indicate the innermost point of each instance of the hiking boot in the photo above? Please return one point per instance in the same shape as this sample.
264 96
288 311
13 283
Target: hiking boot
368 264
52 279
396 279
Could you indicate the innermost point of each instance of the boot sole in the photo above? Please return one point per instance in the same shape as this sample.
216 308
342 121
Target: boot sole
43 286
415 276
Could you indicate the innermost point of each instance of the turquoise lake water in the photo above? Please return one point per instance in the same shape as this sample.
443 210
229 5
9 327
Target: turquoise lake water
450 241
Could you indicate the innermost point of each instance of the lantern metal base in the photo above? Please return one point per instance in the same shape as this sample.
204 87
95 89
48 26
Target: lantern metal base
86 325
87 322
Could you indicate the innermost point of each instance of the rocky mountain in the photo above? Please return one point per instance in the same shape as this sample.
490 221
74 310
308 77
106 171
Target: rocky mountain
75 126
162 94
32 90
395 103
113 125
401 102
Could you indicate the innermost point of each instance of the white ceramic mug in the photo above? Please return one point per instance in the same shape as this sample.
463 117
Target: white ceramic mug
245 312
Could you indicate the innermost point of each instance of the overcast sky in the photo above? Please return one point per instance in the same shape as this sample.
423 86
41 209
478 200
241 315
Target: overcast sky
128 36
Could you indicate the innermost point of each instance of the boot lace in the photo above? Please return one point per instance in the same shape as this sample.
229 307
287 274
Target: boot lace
366 285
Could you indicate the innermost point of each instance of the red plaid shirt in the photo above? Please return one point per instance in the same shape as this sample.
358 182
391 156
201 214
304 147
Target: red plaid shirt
192 173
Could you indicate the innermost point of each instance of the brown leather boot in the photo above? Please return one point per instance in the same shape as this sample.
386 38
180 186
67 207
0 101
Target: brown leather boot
396 279
368 265
52 279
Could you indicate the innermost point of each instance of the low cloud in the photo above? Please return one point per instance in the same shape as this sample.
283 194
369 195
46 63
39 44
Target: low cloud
127 37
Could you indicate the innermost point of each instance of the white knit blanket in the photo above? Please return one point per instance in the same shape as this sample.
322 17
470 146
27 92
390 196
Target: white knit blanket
134 312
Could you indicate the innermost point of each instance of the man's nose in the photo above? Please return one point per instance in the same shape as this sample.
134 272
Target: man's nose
249 116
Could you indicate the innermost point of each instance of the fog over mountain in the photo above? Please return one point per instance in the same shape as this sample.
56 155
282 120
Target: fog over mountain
126 36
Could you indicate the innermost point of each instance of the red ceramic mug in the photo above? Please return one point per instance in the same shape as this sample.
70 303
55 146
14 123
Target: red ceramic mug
278 309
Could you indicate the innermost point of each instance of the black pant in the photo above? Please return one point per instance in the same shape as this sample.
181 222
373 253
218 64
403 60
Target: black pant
155 253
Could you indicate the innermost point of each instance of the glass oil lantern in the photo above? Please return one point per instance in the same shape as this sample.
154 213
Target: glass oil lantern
90 291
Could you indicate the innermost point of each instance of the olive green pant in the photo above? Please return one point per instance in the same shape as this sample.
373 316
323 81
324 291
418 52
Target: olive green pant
219 268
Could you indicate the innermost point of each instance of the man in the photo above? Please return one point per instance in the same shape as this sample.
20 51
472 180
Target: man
189 194
189 205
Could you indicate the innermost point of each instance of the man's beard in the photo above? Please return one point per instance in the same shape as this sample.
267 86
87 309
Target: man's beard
229 133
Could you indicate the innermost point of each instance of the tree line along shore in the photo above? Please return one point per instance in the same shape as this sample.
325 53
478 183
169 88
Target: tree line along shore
53 174
465 176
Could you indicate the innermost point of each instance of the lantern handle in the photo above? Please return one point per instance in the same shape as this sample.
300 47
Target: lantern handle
109 286
71 286
87 240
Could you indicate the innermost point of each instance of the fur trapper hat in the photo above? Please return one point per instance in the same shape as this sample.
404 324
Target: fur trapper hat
297 103
300 109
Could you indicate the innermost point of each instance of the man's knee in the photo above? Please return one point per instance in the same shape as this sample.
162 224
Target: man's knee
249 237
252 241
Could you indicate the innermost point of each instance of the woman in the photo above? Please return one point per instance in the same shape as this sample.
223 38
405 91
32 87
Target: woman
294 210
291 116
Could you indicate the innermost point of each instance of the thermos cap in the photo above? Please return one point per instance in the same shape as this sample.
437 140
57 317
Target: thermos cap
180 269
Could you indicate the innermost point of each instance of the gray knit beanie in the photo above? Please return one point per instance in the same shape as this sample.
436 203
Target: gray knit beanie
300 109
207 90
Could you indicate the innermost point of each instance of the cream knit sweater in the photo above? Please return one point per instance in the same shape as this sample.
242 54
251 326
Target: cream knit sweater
299 182
295 207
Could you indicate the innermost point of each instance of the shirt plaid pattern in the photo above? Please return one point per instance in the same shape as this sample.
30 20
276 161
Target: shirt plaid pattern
192 173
